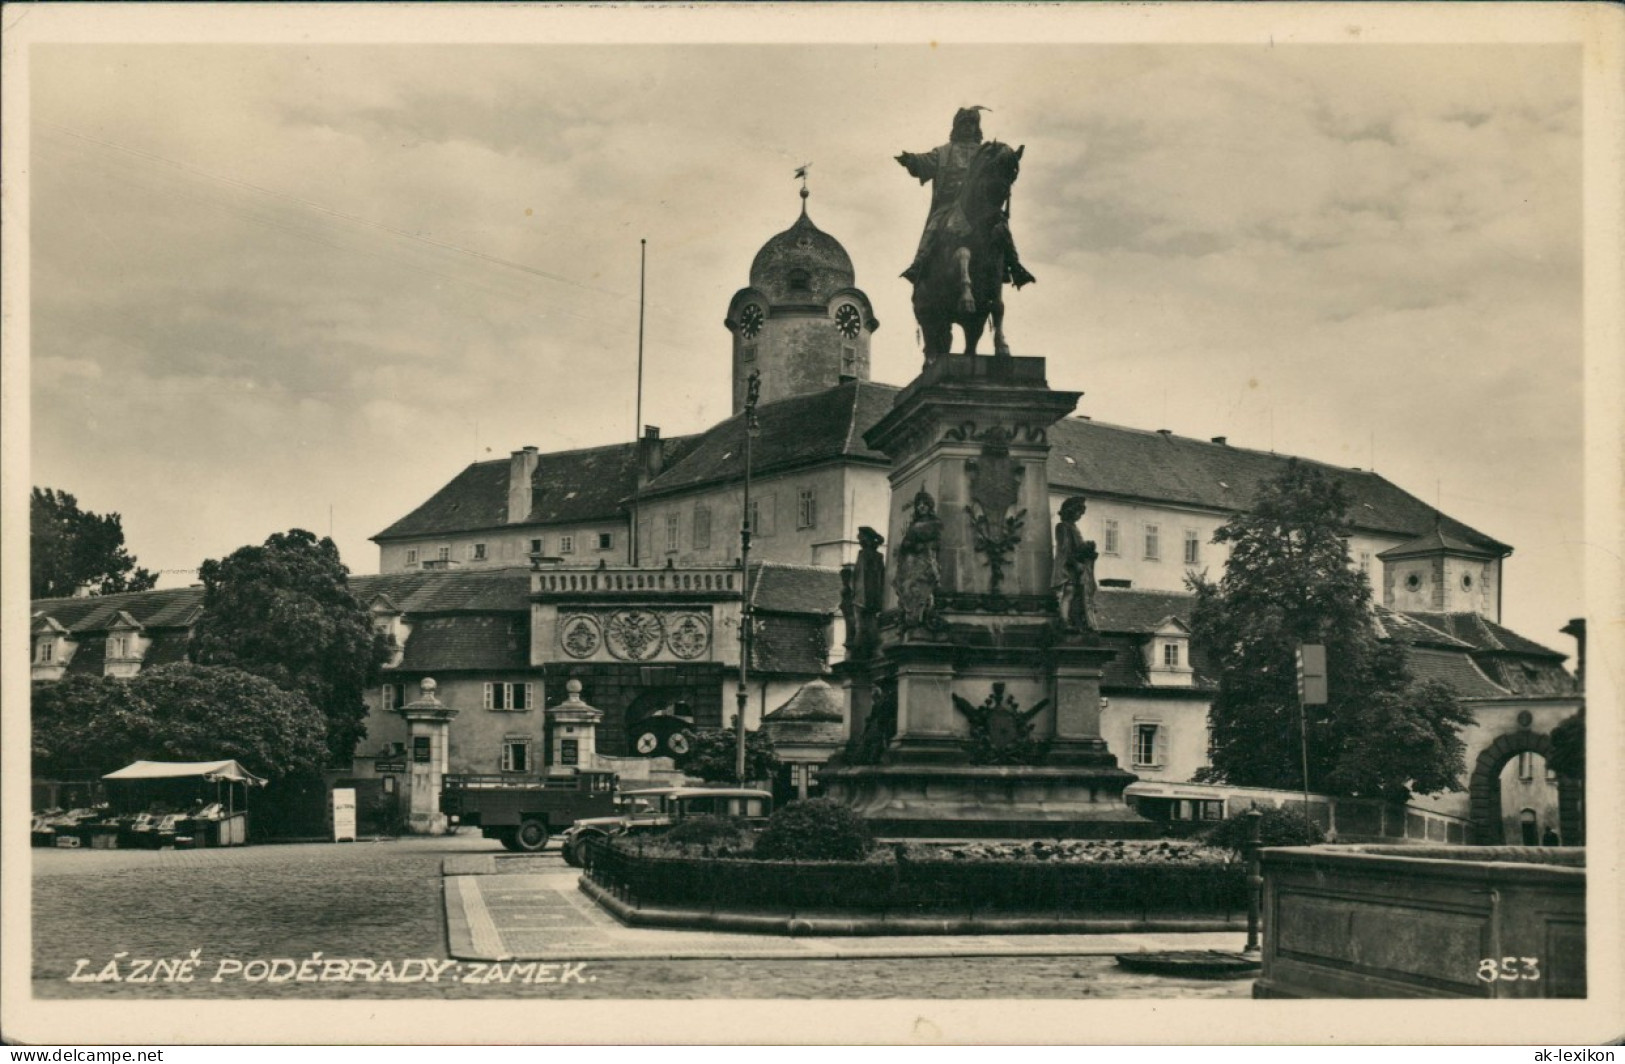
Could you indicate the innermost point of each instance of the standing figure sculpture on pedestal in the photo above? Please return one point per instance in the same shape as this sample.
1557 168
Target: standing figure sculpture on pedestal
917 565
1074 576
966 254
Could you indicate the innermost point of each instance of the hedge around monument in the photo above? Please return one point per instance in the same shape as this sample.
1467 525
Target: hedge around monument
1103 888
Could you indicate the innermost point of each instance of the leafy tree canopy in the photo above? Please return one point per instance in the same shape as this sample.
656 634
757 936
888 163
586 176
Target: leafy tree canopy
713 755
1569 747
70 548
1288 581
95 724
284 611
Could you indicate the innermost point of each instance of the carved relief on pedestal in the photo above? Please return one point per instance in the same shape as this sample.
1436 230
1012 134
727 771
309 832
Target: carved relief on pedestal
995 486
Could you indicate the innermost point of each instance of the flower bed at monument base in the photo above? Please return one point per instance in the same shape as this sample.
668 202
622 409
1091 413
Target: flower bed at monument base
1086 884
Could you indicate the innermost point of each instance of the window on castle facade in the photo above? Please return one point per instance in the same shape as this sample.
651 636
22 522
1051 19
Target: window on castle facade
444 554
606 541
702 528
567 544
412 556
516 755
536 546
508 695
1112 537
1153 543
1148 741
674 527
807 508
476 552
1193 547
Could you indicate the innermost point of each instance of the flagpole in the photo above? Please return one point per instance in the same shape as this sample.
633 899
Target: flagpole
637 418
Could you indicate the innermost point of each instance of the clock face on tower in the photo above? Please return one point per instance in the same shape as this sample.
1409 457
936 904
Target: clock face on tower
848 320
750 321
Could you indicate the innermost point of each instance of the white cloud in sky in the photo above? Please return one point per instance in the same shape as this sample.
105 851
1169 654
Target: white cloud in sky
271 280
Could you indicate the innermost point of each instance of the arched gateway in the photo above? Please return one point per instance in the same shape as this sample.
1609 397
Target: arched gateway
1484 789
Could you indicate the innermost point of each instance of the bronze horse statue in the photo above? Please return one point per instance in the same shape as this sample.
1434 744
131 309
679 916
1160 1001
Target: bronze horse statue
966 268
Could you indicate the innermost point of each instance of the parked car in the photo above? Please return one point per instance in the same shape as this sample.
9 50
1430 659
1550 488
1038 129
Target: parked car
658 808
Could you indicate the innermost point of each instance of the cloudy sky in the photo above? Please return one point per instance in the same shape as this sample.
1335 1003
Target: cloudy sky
303 285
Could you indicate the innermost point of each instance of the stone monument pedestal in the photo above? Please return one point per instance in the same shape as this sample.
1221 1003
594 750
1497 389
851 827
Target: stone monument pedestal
979 716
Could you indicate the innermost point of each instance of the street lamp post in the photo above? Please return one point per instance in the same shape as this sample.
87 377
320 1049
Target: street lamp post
753 390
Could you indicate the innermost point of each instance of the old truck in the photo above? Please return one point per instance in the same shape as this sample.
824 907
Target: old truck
523 812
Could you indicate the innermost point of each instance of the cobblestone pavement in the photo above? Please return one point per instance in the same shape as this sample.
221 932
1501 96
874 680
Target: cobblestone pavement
382 903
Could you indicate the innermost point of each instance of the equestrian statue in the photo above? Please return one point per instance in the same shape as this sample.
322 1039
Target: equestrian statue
966 254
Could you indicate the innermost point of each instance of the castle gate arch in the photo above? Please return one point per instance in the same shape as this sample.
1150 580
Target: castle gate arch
1484 789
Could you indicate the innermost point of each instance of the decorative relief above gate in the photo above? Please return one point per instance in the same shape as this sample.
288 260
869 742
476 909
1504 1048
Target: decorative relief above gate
688 635
636 634
580 636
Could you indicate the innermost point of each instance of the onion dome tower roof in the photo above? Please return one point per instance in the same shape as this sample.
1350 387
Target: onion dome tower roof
803 264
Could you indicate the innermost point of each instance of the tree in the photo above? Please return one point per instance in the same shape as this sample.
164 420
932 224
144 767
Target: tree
95 724
713 753
284 611
1289 581
70 548
1569 748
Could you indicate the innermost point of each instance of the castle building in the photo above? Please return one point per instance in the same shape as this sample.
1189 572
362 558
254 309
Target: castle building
618 566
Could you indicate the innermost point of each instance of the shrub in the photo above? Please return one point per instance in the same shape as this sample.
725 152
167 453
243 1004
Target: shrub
814 830
706 831
1277 827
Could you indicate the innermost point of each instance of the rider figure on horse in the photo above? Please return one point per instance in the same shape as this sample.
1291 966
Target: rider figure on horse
947 167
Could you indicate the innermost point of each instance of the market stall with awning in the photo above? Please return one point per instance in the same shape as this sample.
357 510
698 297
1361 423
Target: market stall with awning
171 798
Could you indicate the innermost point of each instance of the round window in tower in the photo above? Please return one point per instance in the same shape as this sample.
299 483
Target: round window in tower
1413 582
1466 581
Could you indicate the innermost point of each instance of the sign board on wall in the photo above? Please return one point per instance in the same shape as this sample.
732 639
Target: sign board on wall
343 814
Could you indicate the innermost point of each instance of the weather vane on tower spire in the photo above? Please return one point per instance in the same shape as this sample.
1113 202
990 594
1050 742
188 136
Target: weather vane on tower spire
801 172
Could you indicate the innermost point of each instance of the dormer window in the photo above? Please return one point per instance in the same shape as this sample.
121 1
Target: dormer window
118 646
1169 663
47 651
800 281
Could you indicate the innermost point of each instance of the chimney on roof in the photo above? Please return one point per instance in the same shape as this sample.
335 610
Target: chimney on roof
651 454
1222 441
521 470
1577 628
1165 432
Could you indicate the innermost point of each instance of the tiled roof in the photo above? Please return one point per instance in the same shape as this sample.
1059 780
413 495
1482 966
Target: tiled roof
1483 634
789 644
473 643
169 608
420 591
567 487
1436 539
1089 457
1095 457
1456 670
1127 610
815 701
798 431
1413 629
89 659
804 732
777 588
1529 677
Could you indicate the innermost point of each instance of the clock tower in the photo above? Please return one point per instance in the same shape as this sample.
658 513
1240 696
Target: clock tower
801 324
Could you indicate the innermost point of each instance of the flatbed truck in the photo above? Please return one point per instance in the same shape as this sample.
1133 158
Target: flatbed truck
523 812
